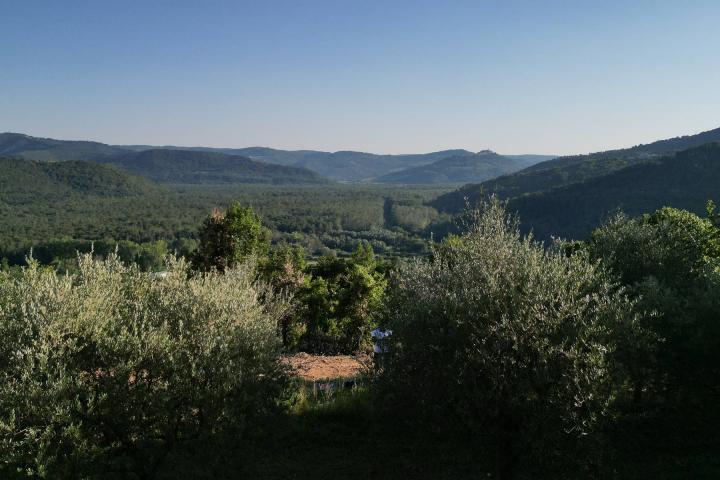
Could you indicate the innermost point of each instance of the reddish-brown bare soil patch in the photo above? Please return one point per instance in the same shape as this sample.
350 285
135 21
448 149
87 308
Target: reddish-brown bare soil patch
318 367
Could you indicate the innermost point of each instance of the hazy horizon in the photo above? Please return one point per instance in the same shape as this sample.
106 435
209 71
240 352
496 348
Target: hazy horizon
262 146
407 77
350 149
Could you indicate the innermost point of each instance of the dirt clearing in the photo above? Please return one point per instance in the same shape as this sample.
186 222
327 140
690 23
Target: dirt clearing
319 367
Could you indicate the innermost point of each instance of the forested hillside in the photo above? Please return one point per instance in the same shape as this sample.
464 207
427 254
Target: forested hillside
192 167
204 165
48 149
457 169
347 166
359 166
29 181
685 180
568 170
41 201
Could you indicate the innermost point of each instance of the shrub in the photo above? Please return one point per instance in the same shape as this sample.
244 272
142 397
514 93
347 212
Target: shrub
509 339
670 261
112 371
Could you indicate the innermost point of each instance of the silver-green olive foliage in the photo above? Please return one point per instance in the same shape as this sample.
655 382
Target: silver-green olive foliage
507 337
670 261
112 369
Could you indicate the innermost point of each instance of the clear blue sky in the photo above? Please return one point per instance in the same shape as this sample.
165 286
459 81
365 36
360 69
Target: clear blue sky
382 76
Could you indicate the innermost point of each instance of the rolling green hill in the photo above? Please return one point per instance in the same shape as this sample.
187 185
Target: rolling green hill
199 166
261 154
457 169
342 166
346 166
568 170
194 167
360 166
48 149
23 181
684 180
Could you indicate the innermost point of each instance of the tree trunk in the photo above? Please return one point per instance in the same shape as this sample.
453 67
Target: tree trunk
505 457
637 393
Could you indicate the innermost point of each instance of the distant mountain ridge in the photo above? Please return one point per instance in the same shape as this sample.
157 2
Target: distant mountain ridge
203 168
344 166
361 166
352 166
163 165
477 167
568 170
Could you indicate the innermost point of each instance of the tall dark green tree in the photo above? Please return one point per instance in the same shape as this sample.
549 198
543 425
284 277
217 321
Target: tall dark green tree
339 302
285 270
230 237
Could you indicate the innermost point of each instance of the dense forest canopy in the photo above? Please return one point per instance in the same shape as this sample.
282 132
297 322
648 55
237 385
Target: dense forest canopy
331 218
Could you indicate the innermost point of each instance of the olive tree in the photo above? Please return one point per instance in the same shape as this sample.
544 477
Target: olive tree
509 339
670 261
110 372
